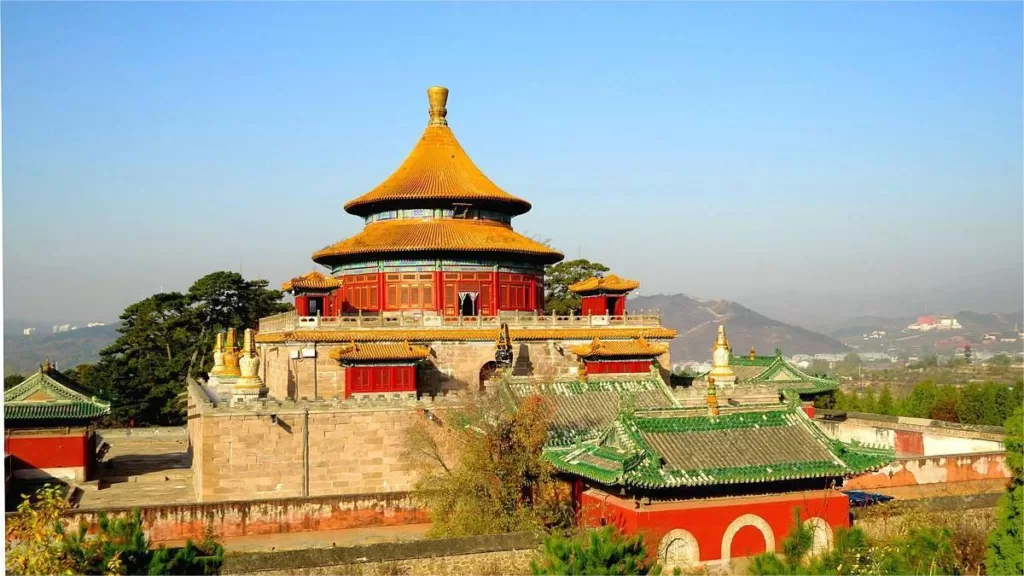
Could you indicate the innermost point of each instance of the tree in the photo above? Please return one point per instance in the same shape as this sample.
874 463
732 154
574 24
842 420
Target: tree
947 404
868 402
600 551
558 300
37 543
13 380
1006 543
481 471
885 401
168 336
1000 360
33 543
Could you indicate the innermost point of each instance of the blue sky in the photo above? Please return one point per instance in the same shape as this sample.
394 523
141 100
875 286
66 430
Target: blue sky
721 150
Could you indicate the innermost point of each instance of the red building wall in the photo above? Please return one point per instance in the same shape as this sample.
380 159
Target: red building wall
601 304
56 451
909 443
370 379
618 366
709 520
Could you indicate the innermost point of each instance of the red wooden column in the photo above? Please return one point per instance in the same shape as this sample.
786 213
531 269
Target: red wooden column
495 290
439 292
302 305
531 298
380 289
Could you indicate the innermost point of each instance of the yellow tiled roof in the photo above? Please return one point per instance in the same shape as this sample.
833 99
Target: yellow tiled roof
611 282
636 348
438 169
462 334
375 351
312 281
442 234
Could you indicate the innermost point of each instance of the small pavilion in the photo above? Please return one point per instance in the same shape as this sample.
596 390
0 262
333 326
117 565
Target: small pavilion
604 296
50 427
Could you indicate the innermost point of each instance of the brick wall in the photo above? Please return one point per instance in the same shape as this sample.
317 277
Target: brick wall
296 378
933 470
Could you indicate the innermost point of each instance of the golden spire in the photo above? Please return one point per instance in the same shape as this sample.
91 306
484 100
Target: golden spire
247 347
753 353
218 346
720 353
712 398
47 366
438 97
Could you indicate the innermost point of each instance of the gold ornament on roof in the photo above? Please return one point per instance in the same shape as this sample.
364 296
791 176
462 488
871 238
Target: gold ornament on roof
218 355
438 97
720 354
231 355
753 353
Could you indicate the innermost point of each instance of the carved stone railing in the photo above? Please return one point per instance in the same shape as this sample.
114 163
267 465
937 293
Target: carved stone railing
290 321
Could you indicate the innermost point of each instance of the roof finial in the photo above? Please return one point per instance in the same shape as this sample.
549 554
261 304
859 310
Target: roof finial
438 97
47 365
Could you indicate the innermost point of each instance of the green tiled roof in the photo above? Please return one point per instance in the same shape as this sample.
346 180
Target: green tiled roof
50 395
743 447
584 409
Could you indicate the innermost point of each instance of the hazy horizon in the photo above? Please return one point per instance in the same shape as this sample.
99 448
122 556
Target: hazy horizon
737 151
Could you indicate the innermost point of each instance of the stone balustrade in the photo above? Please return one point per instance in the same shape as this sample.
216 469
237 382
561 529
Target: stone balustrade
290 321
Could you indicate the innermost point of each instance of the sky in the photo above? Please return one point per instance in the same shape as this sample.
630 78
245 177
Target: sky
720 150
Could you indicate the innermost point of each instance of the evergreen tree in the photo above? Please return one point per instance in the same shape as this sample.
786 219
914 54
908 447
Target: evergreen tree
600 551
886 404
558 300
1006 542
868 402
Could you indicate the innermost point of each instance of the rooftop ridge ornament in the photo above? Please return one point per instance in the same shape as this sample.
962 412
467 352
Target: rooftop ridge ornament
438 98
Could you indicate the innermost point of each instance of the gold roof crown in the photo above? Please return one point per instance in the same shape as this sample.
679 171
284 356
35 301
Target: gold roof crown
437 169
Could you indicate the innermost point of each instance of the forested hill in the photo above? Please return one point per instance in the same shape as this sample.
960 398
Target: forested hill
697 322
24 354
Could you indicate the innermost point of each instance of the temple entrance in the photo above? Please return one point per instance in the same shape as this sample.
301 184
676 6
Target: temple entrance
610 303
487 371
316 306
749 541
467 303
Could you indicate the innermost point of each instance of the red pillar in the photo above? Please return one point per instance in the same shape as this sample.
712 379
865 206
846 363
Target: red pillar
531 298
495 289
380 290
302 305
439 292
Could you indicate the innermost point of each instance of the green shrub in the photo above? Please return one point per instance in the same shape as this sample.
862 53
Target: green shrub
601 551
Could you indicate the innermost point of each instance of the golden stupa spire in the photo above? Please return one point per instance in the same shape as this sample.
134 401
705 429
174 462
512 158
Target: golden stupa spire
438 97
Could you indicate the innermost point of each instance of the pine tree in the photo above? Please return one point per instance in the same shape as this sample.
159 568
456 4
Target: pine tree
885 401
1006 542
601 551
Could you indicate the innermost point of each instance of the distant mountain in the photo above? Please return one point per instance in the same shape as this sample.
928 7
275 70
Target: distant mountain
24 354
697 322
988 293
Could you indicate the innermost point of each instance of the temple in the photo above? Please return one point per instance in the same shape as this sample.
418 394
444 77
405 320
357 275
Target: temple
438 296
50 427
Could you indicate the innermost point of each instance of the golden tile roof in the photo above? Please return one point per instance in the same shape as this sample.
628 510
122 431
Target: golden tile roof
438 169
436 235
622 348
312 281
612 283
375 351
462 334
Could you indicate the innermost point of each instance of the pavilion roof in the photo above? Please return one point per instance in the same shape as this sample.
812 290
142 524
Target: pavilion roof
462 334
638 348
314 280
407 236
583 409
664 450
610 283
437 169
50 395
380 352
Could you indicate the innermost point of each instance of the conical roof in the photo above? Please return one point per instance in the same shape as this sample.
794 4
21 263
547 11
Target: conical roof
437 170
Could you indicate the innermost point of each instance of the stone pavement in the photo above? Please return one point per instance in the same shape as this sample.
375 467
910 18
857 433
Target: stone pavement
143 468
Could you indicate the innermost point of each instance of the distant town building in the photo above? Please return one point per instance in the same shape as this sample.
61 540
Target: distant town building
928 323
61 328
876 334
95 324
28 331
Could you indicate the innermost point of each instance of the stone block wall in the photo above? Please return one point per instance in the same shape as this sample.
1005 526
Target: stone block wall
302 377
269 449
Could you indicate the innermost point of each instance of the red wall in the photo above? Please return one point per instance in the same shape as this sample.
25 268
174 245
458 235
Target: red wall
597 305
302 305
908 443
708 520
618 367
369 379
48 451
